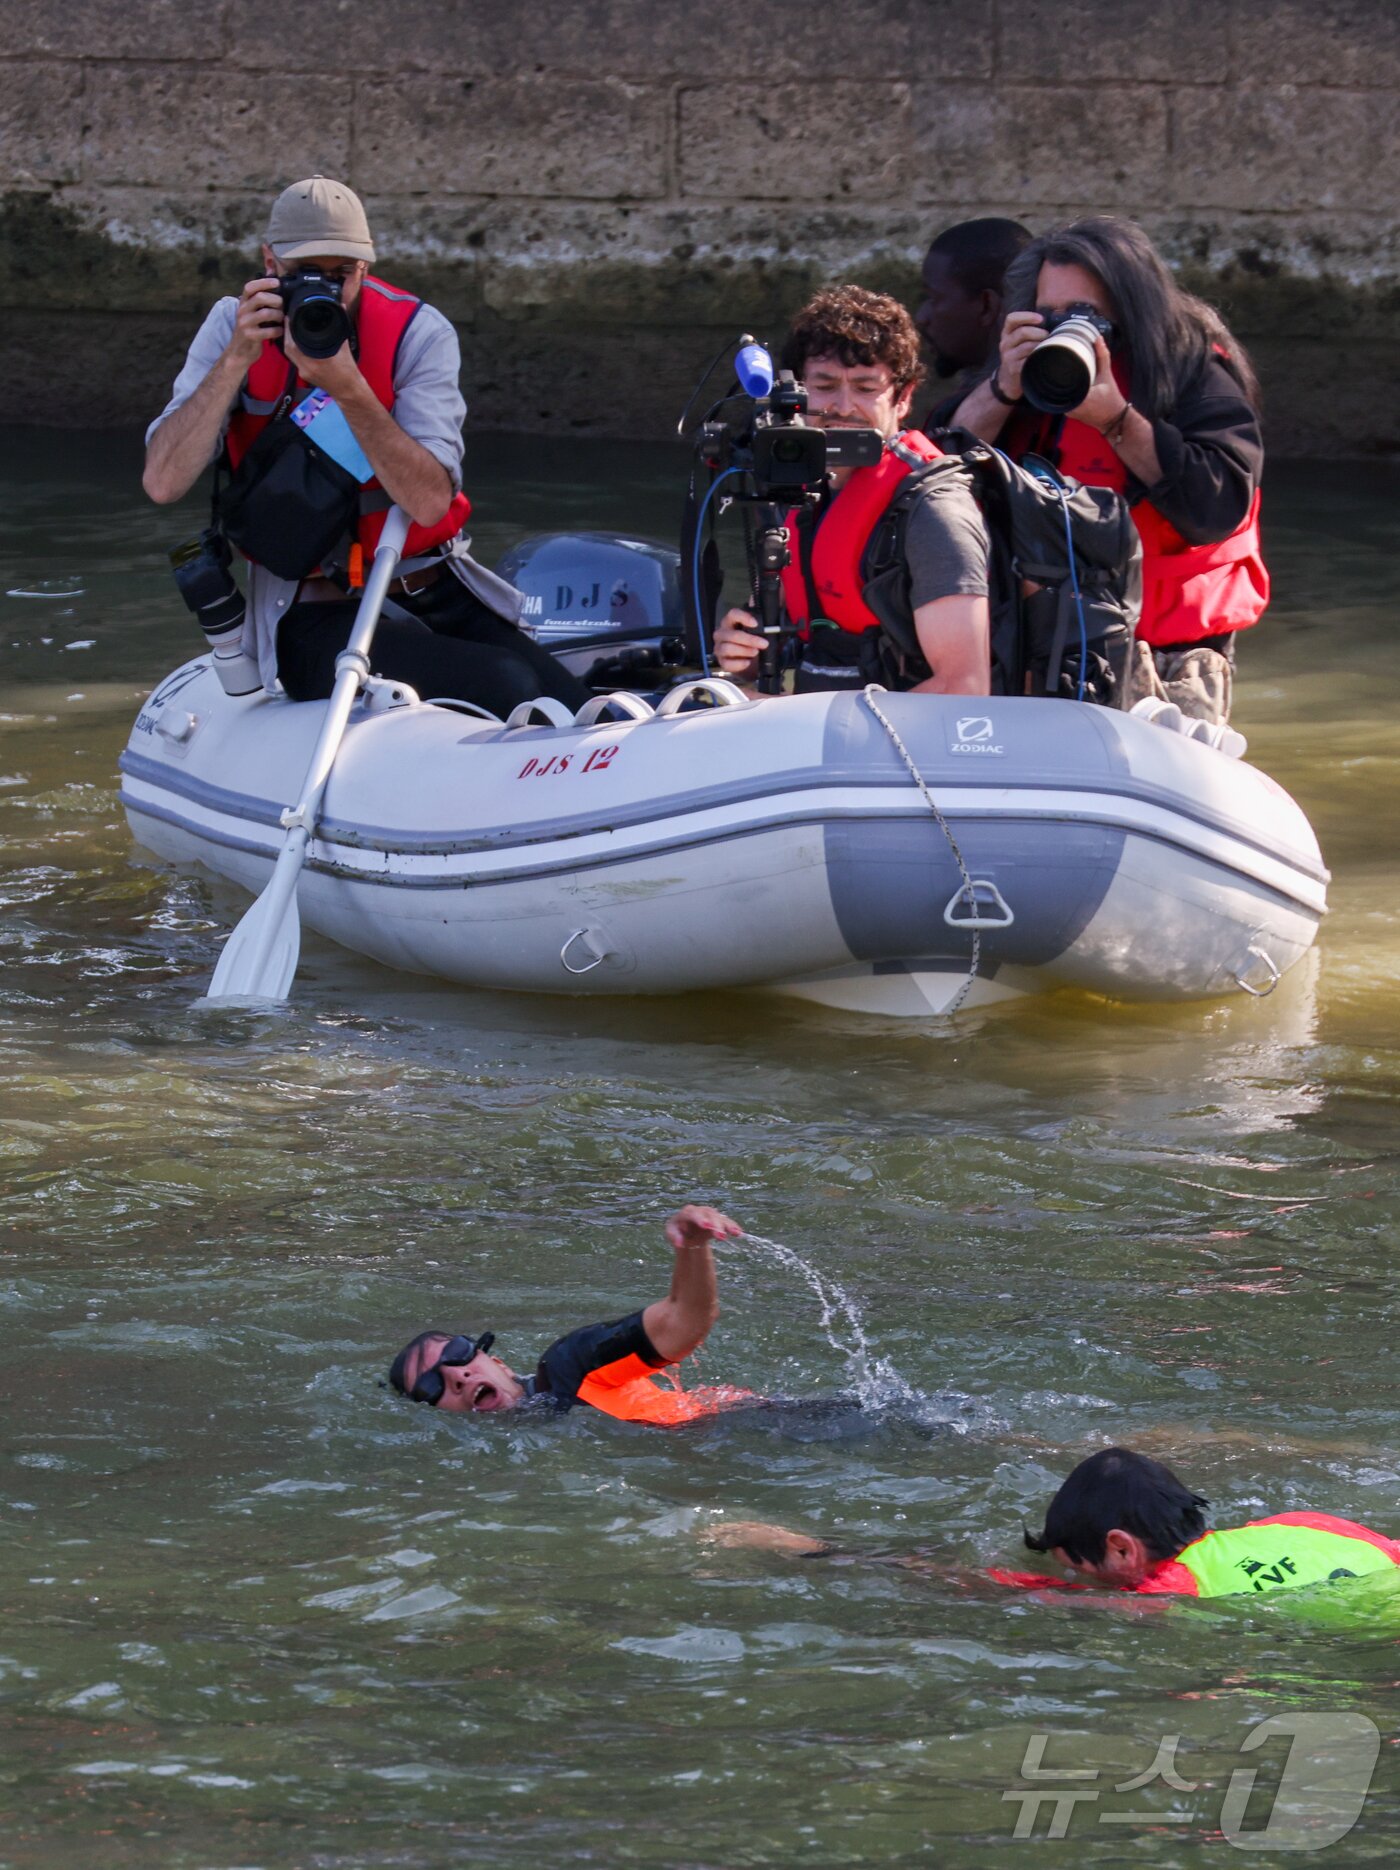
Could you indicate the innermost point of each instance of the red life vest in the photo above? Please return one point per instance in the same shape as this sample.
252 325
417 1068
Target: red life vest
838 547
1188 591
382 315
627 1390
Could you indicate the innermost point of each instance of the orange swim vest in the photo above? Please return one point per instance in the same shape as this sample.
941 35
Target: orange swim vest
633 1391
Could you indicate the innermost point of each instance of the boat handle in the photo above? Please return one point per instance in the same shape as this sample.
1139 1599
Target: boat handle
597 959
723 694
992 899
631 705
1275 974
554 713
472 708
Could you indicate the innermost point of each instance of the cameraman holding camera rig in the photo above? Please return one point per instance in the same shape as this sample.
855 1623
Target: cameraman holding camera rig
1122 380
920 621
330 396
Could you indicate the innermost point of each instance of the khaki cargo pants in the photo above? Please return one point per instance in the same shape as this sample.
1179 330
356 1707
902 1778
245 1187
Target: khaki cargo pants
1199 680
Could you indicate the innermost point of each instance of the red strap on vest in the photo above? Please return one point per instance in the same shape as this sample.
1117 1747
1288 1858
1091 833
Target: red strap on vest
838 548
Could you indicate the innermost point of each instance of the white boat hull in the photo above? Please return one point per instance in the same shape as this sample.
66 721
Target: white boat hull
778 844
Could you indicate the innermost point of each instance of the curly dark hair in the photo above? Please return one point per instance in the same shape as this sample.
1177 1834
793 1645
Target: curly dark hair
857 327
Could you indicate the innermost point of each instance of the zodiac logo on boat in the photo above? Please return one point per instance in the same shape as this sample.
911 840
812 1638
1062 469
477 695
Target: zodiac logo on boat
974 727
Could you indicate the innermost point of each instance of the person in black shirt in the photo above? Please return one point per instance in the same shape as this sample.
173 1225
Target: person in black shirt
1171 421
963 274
607 1366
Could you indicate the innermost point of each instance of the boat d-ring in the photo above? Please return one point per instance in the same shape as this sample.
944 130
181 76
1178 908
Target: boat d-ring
984 895
1275 974
589 938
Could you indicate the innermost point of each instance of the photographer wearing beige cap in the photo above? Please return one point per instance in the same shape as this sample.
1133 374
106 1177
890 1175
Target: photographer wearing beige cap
325 395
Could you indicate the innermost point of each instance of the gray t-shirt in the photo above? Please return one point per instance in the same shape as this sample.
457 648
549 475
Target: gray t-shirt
945 543
428 406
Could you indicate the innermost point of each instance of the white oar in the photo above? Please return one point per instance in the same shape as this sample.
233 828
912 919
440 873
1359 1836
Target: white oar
260 957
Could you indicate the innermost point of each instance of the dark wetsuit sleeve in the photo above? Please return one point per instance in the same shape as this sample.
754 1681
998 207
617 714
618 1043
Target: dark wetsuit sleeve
1212 454
570 1360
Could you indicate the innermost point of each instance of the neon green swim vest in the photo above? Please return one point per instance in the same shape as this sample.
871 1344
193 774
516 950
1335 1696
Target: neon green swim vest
1276 1554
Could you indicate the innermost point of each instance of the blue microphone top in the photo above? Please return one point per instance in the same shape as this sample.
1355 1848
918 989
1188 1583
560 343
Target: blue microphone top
754 368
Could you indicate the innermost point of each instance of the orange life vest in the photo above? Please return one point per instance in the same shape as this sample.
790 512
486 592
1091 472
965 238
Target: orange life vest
383 314
1188 591
629 1390
835 554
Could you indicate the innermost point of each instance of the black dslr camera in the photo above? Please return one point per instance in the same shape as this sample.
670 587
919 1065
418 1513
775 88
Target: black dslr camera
317 323
1060 371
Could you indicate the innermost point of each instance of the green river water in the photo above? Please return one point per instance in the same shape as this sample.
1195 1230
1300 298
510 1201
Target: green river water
259 1612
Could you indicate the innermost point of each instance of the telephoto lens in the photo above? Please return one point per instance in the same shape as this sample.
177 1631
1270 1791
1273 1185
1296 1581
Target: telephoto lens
1060 371
201 568
317 323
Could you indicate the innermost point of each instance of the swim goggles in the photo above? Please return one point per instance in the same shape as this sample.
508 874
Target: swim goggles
431 1383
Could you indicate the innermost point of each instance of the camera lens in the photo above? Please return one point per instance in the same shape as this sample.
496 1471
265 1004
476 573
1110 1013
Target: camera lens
1060 371
317 322
789 449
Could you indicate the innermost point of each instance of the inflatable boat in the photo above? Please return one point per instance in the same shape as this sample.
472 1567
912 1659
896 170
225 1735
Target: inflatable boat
897 854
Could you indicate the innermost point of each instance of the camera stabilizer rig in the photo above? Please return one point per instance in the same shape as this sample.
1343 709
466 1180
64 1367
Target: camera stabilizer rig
757 438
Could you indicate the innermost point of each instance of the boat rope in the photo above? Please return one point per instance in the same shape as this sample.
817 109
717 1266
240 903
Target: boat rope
868 695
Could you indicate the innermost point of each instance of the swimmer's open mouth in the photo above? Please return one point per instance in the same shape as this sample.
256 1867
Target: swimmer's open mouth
486 1396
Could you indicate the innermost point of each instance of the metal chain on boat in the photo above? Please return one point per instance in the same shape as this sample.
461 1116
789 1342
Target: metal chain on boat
868 695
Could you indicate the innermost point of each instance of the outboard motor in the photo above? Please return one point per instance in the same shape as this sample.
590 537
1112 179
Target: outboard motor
608 606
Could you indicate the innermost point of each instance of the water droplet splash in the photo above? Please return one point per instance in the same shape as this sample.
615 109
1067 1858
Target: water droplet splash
878 1384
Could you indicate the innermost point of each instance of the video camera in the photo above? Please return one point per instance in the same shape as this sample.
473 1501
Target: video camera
768 439
757 444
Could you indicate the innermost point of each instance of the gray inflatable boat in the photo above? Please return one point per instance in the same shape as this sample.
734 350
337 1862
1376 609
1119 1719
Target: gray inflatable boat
899 854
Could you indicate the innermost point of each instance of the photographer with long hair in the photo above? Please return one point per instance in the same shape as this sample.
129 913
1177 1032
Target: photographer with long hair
1170 419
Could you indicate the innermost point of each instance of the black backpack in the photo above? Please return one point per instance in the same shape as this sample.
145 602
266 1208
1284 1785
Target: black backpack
1046 530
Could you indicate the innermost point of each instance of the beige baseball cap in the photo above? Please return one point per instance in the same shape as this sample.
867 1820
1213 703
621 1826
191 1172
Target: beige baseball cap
319 216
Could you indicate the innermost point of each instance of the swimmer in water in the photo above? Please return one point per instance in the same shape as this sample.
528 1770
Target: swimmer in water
1125 1521
611 1367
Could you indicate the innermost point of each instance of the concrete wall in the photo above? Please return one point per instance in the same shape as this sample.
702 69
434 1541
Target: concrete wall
598 192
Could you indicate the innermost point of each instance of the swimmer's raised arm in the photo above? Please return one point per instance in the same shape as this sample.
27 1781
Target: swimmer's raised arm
680 1323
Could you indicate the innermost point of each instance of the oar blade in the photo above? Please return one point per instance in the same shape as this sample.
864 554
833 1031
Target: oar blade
259 959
